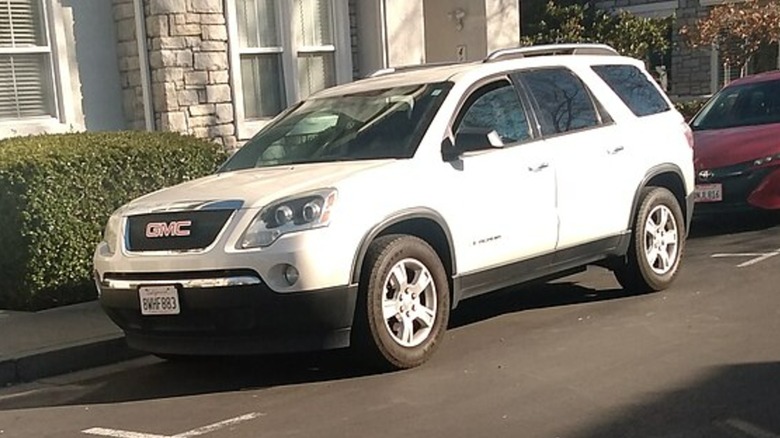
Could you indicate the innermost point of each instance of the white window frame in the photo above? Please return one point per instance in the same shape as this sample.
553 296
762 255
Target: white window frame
341 48
68 115
715 83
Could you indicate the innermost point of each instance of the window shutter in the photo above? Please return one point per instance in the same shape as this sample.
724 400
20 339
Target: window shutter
25 80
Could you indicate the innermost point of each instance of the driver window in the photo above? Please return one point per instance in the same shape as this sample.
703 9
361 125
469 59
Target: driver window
493 116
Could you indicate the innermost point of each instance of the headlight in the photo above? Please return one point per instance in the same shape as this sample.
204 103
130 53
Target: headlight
767 160
299 213
113 228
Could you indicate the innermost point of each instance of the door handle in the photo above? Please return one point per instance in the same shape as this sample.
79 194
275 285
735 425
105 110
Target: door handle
615 150
538 167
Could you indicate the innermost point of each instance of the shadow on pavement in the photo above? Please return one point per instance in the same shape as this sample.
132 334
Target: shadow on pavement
528 297
733 223
166 379
730 401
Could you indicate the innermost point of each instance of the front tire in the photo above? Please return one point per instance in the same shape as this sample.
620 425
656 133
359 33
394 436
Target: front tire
657 243
404 303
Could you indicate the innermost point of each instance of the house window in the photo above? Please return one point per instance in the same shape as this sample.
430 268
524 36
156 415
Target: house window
766 59
282 51
26 86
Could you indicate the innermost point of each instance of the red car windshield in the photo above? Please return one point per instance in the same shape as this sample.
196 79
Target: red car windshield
749 104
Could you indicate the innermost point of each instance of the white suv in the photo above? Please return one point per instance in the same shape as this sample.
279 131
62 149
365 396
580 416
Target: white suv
362 216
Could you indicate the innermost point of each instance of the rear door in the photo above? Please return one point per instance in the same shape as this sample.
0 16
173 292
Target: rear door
596 169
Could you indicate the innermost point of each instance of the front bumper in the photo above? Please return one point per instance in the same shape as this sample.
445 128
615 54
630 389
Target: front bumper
223 317
743 191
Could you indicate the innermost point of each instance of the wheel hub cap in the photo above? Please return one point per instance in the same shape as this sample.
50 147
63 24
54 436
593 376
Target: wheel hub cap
409 303
661 240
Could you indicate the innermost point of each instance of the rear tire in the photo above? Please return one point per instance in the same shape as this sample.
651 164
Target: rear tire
657 243
404 302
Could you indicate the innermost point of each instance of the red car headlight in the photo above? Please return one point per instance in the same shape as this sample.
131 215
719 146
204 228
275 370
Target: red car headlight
771 159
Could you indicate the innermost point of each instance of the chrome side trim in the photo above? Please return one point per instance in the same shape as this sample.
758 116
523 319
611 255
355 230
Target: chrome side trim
191 283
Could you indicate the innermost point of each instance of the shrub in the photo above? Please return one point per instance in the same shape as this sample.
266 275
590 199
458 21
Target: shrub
689 108
56 194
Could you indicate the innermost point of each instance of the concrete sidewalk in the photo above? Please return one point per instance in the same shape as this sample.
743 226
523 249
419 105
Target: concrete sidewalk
56 341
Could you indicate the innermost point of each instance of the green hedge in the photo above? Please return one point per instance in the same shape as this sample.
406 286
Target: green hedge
56 193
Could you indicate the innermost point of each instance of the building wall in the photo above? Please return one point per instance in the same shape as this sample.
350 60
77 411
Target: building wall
448 38
96 58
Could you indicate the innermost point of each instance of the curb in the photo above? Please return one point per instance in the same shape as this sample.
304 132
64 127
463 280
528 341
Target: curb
64 359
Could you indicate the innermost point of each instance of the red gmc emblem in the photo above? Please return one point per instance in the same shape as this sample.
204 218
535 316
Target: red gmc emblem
171 229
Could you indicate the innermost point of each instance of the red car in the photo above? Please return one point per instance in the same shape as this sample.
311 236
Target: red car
737 147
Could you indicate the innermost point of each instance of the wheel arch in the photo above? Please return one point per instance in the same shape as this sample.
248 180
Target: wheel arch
669 176
424 223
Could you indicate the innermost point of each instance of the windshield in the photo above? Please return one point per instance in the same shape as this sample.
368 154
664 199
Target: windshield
387 123
741 105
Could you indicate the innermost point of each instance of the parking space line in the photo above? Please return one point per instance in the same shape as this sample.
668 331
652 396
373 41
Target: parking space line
748 429
114 433
758 257
216 426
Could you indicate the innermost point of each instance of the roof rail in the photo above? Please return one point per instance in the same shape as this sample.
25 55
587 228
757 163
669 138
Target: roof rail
551 49
391 70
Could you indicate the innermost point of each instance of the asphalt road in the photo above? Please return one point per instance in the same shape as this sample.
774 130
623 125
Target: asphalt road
573 358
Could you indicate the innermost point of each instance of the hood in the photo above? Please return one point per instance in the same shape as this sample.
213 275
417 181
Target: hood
249 188
715 148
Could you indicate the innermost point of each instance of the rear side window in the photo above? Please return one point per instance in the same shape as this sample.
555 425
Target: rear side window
564 102
634 88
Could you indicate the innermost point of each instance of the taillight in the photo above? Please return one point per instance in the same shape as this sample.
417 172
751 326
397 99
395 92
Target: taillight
688 134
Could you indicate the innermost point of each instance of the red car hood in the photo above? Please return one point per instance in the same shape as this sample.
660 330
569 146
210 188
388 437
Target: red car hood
715 148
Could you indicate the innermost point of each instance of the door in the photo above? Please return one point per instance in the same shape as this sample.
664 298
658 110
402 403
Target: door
594 166
503 203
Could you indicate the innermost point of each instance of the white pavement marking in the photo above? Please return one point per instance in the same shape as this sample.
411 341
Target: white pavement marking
216 426
758 257
113 433
748 429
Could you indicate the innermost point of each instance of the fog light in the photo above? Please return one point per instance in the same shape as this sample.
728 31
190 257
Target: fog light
290 274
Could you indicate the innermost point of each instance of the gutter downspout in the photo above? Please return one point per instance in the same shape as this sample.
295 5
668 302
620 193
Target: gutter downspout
143 63
383 33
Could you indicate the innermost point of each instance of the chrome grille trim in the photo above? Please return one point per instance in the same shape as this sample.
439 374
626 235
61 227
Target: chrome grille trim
191 283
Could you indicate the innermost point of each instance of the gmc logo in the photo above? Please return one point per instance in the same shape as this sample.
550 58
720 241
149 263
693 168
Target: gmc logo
172 229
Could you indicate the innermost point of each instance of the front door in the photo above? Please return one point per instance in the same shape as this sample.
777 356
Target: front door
503 185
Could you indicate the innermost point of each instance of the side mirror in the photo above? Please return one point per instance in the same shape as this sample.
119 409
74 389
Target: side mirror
448 150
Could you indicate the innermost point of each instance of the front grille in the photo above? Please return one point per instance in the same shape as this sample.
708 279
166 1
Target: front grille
175 231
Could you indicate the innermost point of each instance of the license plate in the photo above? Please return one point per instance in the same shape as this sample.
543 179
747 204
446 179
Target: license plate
708 193
159 300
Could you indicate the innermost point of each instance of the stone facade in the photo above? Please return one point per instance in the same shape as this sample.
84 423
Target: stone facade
188 66
353 38
691 68
129 66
